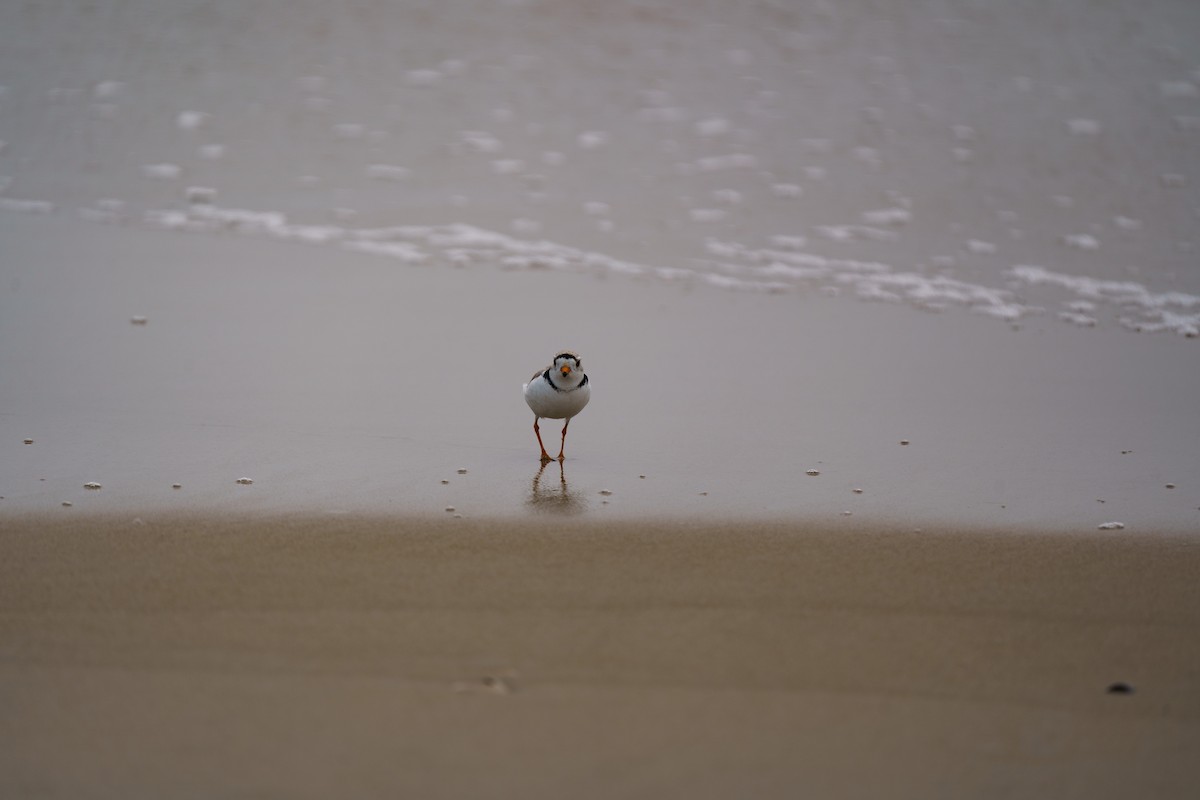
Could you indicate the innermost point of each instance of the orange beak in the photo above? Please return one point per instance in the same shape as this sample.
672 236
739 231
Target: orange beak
565 369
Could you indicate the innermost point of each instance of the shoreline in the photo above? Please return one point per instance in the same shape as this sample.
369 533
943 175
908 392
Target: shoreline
229 378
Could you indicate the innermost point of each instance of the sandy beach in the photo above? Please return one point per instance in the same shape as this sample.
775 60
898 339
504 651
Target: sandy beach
302 656
890 481
364 619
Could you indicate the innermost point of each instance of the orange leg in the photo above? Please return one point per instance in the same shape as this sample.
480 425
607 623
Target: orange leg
538 432
564 439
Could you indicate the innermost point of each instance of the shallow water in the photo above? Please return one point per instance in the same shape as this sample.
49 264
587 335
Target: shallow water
1018 162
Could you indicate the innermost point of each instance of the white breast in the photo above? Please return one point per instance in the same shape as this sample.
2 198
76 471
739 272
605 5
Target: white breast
546 401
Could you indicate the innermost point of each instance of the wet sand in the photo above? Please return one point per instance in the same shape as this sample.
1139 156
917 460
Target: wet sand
340 382
309 655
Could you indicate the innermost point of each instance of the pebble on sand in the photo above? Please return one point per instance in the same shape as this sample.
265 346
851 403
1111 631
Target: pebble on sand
606 492
29 441
493 684
176 485
91 485
1111 526
244 481
462 471
812 472
138 320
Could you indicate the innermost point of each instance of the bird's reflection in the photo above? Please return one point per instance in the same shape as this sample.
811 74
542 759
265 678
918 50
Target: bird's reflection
554 497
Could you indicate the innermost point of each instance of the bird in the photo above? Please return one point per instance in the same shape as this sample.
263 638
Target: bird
559 391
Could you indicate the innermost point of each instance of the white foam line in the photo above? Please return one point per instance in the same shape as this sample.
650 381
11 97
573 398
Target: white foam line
870 280
1154 309
736 266
458 243
402 251
1161 320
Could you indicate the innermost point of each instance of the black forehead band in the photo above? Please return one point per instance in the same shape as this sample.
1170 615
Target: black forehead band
571 356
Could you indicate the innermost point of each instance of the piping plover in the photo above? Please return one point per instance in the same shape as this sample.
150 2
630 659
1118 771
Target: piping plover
559 391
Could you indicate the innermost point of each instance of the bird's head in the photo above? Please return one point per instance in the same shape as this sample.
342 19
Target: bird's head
568 367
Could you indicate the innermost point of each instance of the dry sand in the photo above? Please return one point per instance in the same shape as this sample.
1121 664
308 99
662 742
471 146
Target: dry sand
375 657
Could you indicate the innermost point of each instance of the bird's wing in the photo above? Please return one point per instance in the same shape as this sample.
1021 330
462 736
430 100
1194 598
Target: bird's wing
538 374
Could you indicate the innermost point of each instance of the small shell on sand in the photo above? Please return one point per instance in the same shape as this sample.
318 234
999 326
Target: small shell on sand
812 472
245 481
1111 526
91 485
1170 486
450 509
462 471
176 485
904 441
444 482
29 441
67 504
606 492
857 491
137 320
